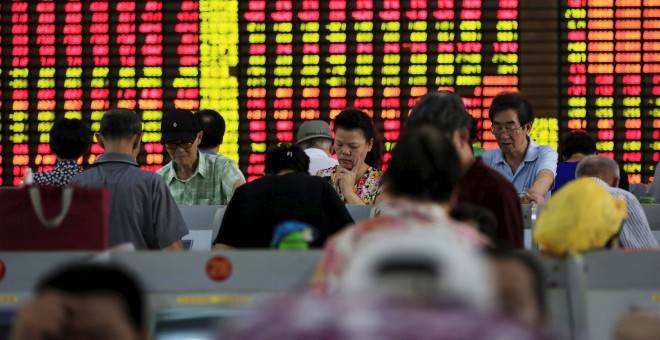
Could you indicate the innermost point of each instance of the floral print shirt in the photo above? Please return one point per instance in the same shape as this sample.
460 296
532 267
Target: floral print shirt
368 187
60 176
401 217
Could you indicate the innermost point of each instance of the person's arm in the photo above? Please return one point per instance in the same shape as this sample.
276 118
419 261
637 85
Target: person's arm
169 225
176 246
237 184
229 234
335 211
545 176
230 178
346 182
221 246
636 232
543 183
45 317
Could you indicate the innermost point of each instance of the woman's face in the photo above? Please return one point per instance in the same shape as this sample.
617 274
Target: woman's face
351 147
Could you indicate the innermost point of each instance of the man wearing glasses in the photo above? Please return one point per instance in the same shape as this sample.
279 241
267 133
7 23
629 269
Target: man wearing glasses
529 166
195 178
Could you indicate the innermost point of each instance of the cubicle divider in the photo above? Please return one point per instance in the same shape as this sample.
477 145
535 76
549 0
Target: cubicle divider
179 285
204 221
587 293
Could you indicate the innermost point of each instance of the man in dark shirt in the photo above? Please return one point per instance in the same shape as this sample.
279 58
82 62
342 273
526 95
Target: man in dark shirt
480 184
142 210
286 193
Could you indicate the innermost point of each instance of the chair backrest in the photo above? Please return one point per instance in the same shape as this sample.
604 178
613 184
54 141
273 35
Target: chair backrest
359 212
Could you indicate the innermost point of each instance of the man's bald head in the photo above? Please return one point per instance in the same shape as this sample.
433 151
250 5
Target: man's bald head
601 167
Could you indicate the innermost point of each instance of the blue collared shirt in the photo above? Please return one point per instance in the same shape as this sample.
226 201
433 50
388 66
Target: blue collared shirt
537 158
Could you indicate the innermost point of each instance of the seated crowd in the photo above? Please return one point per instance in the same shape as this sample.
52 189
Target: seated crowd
447 225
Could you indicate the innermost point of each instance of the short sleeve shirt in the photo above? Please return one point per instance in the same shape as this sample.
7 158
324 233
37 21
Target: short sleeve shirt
60 176
367 188
319 160
537 158
635 231
142 210
211 184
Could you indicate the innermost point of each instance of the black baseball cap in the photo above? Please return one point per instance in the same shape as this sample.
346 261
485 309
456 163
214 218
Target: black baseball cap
179 125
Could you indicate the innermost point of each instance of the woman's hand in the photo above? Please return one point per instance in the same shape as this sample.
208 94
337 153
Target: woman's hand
346 179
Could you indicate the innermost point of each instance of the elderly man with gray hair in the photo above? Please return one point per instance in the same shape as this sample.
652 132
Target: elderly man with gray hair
315 139
635 232
142 210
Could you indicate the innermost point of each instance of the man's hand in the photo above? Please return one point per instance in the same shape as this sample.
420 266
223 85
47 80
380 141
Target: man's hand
46 317
532 197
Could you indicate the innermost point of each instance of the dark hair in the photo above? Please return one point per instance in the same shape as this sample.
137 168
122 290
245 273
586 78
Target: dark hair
70 138
485 218
577 142
120 123
533 265
95 278
286 158
512 101
352 119
444 110
424 165
213 126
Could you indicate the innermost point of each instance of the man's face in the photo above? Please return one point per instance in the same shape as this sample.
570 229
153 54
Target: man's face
515 290
184 152
100 316
511 136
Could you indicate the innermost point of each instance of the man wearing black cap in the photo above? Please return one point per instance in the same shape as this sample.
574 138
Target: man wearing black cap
315 138
195 178
142 210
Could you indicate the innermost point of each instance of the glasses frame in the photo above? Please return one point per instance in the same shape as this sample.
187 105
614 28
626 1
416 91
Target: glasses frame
174 146
499 132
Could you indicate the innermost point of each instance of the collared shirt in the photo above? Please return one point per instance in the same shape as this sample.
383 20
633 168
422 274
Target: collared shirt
319 160
537 158
60 176
211 184
207 151
635 232
142 210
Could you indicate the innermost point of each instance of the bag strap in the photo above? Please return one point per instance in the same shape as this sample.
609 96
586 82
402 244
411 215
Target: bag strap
37 206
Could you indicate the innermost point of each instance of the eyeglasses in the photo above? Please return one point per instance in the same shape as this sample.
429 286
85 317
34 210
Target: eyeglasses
173 146
499 131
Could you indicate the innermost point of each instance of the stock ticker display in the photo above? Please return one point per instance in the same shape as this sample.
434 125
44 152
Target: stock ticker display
311 59
266 66
610 78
